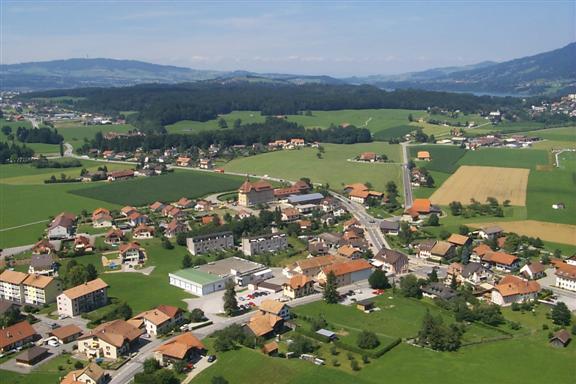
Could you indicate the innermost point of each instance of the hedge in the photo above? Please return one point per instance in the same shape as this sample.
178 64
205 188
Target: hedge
374 353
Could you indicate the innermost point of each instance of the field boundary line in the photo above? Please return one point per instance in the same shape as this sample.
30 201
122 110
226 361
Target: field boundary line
23 225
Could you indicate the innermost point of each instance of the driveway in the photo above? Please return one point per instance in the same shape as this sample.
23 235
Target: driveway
549 282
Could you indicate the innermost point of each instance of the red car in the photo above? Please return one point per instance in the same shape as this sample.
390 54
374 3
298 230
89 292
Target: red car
251 304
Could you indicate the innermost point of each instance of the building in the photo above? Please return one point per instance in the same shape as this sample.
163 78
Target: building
491 232
132 254
560 339
290 214
241 271
501 261
391 261
533 271
16 336
32 356
218 241
265 325
423 156
275 307
91 374
42 264
101 218
368 156
566 277
11 287
390 227
310 198
310 267
366 305
476 274
83 244
42 247
347 272
183 203
363 196
197 282
512 289
459 240
156 206
128 210
425 207
259 192
62 227
438 290
40 290
136 218
110 340
159 320
83 298
143 232
264 243
67 333
442 250
270 349
114 237
182 348
206 164
174 227
298 286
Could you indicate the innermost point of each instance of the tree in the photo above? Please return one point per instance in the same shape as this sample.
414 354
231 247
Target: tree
410 286
222 123
91 272
455 208
218 380
186 261
367 340
75 276
433 220
378 280
6 130
410 117
391 188
10 317
465 255
61 148
151 365
463 230
301 345
429 181
433 276
230 302
124 311
166 244
330 289
197 315
237 123
561 314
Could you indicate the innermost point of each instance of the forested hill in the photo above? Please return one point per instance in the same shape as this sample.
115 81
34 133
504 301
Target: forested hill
160 105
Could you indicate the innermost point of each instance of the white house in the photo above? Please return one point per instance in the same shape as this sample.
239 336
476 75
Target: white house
512 289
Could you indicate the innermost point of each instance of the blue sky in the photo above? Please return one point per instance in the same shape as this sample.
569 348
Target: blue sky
339 38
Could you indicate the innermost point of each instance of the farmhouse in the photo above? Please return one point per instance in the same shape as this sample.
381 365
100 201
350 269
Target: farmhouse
264 243
110 340
501 261
62 227
83 298
182 348
442 250
260 192
120 175
183 161
206 164
298 286
512 289
533 271
16 335
91 374
425 248
491 232
347 272
425 207
423 156
459 240
362 197
211 242
275 307
566 277
159 320
391 261
368 156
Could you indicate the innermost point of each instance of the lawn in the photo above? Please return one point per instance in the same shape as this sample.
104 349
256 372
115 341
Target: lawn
502 157
48 372
171 187
549 187
41 148
189 126
334 167
445 158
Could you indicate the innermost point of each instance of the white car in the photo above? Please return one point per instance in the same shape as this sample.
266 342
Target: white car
53 343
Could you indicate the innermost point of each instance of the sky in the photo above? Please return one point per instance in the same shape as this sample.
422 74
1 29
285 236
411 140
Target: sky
338 38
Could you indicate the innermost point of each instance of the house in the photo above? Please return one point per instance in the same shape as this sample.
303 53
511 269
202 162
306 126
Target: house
349 252
183 161
438 290
42 247
264 325
330 239
16 335
110 340
533 271
32 356
571 260
67 333
203 206
184 203
132 254
143 232
298 286
290 214
368 156
270 348
264 243
259 192
91 374
309 267
425 207
490 232
159 320
136 218
512 289
120 175
127 210
479 252
217 241
566 276
391 261
11 287
83 244
174 227
363 196
442 250
42 265
209 219
366 305
173 212
309 198
390 227
305 225
423 156
62 227
41 290
560 339
101 218
425 248
501 261
459 240
347 272
275 307
206 164
114 236
83 298
182 348
156 207
476 274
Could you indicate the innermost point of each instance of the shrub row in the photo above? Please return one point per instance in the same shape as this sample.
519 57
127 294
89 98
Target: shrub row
374 354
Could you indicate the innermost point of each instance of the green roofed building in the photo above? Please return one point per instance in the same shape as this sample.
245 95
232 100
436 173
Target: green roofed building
197 282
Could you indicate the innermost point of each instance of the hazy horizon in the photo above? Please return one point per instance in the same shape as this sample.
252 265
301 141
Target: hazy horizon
314 38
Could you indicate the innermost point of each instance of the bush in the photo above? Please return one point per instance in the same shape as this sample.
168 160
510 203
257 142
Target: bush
78 365
365 359
334 351
335 362
197 315
367 340
354 365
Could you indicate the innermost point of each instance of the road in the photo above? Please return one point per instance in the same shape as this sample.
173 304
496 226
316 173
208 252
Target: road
68 150
406 179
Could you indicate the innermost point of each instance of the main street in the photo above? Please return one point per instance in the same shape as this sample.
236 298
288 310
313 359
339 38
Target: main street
406 179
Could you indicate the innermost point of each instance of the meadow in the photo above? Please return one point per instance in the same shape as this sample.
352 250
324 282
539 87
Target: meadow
333 168
171 187
503 157
445 158
75 133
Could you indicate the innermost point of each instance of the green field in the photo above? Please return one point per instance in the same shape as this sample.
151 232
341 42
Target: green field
14 124
445 158
549 187
567 161
189 126
169 187
75 133
334 168
502 157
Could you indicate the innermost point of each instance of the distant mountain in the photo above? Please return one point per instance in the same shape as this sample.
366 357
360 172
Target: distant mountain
552 72
79 73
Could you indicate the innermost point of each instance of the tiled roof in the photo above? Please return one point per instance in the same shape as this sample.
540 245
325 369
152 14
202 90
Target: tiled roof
15 333
179 346
38 281
271 306
66 331
347 267
86 288
512 285
13 277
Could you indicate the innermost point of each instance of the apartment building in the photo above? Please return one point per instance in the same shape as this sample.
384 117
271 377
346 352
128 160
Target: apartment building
83 298
264 243
211 242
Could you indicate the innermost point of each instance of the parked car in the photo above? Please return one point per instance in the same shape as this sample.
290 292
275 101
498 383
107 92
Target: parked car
54 326
53 343
211 358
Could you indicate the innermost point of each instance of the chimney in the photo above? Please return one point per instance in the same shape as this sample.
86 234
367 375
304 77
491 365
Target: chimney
73 376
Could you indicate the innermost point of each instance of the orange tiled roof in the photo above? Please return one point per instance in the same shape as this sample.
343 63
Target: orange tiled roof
512 285
421 205
347 267
13 277
179 346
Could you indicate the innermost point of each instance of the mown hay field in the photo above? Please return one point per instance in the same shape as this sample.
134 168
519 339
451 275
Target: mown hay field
479 183
557 233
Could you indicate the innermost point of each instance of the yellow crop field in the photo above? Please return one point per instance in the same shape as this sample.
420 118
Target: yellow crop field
557 233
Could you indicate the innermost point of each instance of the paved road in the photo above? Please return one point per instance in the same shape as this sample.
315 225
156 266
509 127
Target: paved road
549 282
406 179
68 150
15 250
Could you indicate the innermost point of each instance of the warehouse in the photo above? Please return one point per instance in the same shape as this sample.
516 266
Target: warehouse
197 282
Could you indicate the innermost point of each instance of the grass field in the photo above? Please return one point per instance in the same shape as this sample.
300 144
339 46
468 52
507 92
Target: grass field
445 158
558 233
75 133
549 187
502 157
41 148
567 161
45 373
169 187
479 183
189 126
334 168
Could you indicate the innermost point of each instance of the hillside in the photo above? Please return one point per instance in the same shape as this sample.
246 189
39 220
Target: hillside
550 72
